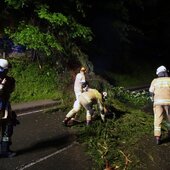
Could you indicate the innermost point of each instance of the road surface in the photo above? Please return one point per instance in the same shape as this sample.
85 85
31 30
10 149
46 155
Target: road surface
43 143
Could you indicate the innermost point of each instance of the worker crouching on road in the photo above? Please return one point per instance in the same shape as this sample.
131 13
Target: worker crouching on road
87 99
160 95
7 116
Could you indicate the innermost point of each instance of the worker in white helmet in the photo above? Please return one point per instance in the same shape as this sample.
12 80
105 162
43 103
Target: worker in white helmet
160 95
87 99
7 85
78 83
79 80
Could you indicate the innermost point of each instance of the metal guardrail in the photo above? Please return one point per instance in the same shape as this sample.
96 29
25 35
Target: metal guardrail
138 88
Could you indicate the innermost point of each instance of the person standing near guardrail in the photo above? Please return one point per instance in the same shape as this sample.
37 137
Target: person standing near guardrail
79 80
160 95
7 116
78 89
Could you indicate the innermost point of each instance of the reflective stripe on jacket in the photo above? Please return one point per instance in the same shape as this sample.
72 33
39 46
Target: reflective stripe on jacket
160 87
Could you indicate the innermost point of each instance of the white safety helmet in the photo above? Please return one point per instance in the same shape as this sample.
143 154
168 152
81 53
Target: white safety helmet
104 94
4 63
161 69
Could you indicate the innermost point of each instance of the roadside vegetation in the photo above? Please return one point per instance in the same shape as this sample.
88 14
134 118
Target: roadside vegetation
61 37
115 141
34 83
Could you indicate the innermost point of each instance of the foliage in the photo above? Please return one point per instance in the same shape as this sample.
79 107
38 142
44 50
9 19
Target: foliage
138 25
56 19
64 24
49 32
115 140
33 38
16 3
131 75
137 98
33 83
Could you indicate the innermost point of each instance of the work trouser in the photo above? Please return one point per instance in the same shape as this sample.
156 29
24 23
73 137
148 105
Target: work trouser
6 134
1 122
88 105
77 94
158 117
6 124
7 131
77 106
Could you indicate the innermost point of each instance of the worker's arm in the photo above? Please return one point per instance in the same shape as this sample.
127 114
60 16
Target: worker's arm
151 96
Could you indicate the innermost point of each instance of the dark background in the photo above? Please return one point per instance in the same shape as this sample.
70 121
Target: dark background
146 43
127 34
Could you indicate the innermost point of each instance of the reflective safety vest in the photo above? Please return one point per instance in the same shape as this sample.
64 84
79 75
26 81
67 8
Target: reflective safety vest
93 96
160 87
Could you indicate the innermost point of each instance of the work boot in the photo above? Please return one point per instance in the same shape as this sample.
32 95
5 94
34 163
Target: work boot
65 121
5 152
158 140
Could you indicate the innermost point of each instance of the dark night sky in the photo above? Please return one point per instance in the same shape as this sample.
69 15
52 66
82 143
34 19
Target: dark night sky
150 47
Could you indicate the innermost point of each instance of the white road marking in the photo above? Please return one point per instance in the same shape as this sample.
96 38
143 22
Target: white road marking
22 167
28 113
31 112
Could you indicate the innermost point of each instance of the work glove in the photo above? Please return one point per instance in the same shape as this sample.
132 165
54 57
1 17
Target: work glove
152 96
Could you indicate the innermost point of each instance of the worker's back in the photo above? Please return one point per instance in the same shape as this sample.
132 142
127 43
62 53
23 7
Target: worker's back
161 88
92 95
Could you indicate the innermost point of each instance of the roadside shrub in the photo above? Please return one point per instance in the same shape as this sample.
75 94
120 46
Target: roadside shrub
135 98
33 83
115 140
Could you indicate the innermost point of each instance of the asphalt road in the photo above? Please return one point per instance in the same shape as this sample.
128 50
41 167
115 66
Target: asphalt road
43 143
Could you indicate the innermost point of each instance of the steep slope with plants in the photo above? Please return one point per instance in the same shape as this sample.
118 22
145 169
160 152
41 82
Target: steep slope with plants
34 83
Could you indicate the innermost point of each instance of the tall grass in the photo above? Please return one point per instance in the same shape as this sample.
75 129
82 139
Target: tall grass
115 140
132 79
33 83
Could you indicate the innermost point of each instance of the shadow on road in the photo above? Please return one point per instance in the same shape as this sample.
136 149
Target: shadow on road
165 140
58 142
